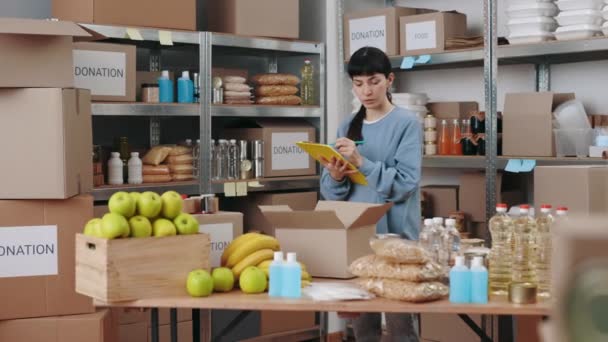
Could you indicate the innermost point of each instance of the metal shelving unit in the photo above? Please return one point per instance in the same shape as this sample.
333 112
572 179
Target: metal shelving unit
478 162
273 184
277 54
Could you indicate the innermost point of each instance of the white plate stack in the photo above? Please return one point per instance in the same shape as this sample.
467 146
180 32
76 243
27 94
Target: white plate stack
531 21
605 17
579 19
413 102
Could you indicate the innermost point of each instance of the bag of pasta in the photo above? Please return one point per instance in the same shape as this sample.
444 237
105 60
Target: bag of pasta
373 266
399 250
404 290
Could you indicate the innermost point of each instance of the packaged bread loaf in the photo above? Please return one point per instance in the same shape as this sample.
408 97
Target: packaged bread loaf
290 100
157 178
276 90
156 155
180 150
404 290
237 94
178 177
181 169
373 266
181 159
237 87
152 170
234 79
276 79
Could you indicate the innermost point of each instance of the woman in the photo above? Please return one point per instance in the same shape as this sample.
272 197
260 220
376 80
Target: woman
384 143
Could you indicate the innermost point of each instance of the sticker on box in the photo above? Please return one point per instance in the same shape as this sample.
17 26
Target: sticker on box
421 35
286 155
221 234
28 251
369 31
103 72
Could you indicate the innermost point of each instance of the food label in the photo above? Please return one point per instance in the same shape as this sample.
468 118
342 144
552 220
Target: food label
369 31
422 35
28 251
103 72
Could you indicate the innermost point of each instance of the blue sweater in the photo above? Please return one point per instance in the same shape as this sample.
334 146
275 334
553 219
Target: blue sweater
392 158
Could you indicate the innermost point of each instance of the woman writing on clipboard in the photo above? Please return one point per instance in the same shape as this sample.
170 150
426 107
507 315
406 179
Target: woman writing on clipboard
384 143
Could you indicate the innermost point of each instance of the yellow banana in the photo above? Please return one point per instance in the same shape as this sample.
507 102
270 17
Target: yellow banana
252 260
265 264
234 245
305 283
306 276
250 246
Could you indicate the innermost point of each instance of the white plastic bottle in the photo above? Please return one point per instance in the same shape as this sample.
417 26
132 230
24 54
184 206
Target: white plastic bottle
275 275
460 282
135 169
115 169
292 277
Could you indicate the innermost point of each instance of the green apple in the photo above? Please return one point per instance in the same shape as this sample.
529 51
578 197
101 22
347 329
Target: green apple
127 232
93 227
223 279
140 226
253 280
163 227
172 204
186 224
149 204
135 196
199 283
122 203
113 226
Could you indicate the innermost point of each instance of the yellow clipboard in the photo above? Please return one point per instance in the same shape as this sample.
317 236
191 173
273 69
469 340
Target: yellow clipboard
319 151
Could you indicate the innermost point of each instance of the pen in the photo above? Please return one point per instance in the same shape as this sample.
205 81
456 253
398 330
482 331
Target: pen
357 143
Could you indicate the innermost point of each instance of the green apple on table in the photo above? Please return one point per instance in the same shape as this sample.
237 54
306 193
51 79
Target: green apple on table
149 204
93 227
113 226
163 227
135 196
186 224
172 204
253 280
140 226
199 283
223 279
122 203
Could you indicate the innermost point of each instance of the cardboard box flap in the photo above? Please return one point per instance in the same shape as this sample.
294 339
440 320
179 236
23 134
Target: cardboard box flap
41 27
355 214
560 98
534 103
302 219
93 36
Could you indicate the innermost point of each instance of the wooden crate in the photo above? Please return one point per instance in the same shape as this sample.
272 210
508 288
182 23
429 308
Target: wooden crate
138 268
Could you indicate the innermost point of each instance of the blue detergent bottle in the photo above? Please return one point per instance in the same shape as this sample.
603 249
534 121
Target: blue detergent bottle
460 282
275 274
292 277
185 88
479 282
165 88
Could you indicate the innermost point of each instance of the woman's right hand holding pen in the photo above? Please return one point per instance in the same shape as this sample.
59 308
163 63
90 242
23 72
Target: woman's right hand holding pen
338 169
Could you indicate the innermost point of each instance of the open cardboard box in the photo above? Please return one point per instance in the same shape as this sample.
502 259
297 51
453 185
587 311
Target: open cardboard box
328 239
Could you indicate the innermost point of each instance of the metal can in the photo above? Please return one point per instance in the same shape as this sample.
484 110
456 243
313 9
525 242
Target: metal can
430 148
430 135
258 168
522 293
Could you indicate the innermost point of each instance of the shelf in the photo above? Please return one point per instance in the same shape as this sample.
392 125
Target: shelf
550 161
148 34
451 59
283 45
479 162
144 109
273 184
256 111
103 193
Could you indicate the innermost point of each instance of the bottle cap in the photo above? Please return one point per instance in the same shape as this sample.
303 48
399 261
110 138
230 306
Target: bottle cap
115 154
186 74
291 257
165 74
562 208
278 256
501 205
188 141
428 222
477 261
134 154
459 260
546 206
198 141
438 220
233 141
450 222
456 122
307 60
524 206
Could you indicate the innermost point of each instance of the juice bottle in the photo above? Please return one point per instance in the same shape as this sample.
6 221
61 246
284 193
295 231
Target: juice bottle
444 139
456 148
501 228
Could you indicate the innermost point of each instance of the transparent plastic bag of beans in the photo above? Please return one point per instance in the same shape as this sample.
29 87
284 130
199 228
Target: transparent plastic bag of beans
394 248
374 266
404 290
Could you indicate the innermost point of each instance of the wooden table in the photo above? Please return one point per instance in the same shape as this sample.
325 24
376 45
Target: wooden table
237 300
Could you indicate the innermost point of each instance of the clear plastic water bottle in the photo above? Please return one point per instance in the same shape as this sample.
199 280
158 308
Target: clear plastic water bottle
214 164
451 237
427 238
442 255
222 159
233 157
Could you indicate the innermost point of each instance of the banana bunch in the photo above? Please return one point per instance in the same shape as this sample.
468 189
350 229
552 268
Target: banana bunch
306 277
249 250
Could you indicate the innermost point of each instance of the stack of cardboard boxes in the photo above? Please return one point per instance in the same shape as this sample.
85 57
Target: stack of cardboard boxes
45 129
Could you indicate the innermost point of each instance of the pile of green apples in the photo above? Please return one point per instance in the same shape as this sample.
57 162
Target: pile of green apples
139 215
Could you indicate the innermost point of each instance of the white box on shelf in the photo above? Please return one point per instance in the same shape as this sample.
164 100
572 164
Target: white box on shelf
597 151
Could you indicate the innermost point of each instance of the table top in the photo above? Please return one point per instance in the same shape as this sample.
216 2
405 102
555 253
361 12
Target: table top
237 300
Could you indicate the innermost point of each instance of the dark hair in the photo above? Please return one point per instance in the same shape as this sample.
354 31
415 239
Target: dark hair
366 61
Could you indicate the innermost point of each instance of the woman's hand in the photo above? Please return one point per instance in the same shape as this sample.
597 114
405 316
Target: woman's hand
338 169
349 150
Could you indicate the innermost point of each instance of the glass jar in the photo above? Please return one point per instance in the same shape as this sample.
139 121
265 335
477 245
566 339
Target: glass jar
430 135
430 121
430 149
150 93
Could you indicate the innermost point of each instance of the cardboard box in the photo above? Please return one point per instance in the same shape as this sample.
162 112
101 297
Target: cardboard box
447 328
42 283
149 77
222 227
178 14
452 110
328 239
140 332
57 163
374 27
281 156
527 123
108 70
442 200
134 332
184 332
254 220
426 33
472 193
37 53
583 189
124 316
272 322
93 327
131 269
597 151
255 17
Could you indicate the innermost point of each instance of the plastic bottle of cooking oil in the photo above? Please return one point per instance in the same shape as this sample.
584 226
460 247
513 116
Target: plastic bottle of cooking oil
501 228
544 223
524 234
307 88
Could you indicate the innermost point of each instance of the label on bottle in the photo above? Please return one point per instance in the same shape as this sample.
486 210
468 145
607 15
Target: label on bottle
220 234
103 72
421 35
369 31
28 251
286 155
